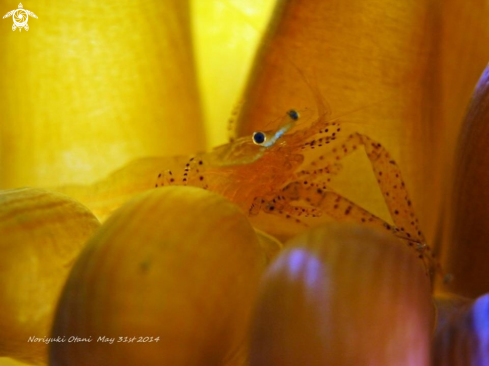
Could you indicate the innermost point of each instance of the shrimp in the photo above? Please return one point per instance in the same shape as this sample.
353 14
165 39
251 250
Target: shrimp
269 173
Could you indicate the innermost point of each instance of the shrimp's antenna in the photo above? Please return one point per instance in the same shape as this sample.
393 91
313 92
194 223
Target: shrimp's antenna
323 108
274 122
352 111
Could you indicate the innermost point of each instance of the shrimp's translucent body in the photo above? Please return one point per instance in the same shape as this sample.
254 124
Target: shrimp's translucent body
274 177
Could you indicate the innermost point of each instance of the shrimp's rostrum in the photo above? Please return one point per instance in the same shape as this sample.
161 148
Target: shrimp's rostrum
268 172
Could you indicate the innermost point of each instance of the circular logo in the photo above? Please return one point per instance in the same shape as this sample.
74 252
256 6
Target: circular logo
20 18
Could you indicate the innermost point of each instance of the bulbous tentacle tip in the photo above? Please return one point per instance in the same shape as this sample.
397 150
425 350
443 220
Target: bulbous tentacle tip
41 235
338 294
461 335
188 285
466 228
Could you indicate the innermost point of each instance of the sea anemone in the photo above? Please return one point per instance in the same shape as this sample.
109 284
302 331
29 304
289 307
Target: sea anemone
99 268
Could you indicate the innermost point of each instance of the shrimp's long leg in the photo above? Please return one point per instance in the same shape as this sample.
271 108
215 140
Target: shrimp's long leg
280 205
393 190
389 179
333 204
342 209
318 168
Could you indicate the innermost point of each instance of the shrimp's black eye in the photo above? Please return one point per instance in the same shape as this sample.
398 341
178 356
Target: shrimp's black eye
293 114
259 138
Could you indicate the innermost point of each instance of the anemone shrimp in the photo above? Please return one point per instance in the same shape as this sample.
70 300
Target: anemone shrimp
268 173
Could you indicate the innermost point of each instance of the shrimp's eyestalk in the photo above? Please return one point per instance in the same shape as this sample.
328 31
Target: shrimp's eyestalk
263 139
